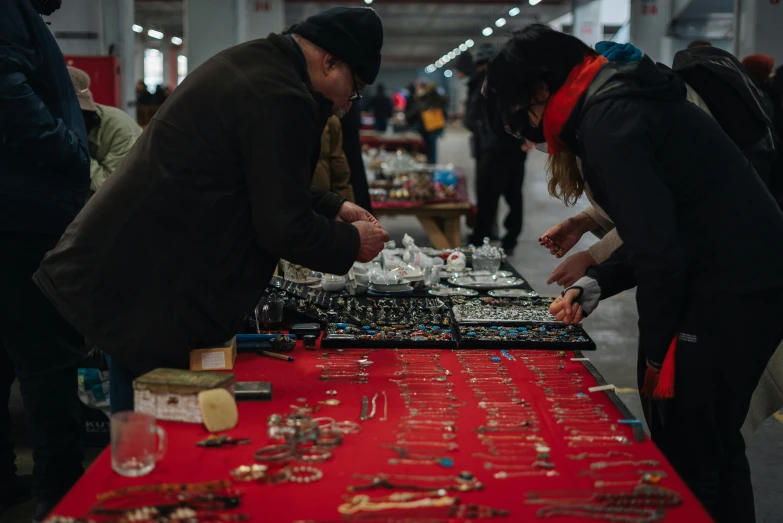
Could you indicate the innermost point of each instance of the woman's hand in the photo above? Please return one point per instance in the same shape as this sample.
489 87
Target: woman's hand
572 268
563 236
565 309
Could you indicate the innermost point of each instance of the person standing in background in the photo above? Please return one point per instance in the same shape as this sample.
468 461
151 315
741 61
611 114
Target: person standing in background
426 113
332 172
143 95
352 147
500 162
381 107
44 179
111 132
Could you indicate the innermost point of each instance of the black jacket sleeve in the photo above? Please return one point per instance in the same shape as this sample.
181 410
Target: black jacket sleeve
277 157
26 124
614 275
619 139
325 203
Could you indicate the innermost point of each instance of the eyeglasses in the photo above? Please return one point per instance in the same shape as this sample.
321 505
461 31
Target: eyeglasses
357 94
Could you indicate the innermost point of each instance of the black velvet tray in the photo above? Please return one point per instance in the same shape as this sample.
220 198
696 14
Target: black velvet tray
465 341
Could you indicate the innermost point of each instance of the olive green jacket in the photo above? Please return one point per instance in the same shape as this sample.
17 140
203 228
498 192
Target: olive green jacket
109 143
332 172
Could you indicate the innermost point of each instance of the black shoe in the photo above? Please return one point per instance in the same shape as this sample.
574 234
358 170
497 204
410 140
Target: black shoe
42 510
17 492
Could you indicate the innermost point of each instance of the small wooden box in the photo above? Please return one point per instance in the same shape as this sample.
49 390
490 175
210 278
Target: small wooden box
215 358
172 394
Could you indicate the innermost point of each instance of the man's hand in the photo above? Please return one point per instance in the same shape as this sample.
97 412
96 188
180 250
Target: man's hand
351 213
572 269
371 241
565 309
563 236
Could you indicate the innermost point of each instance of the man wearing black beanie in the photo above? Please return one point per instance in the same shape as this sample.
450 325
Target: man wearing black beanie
178 245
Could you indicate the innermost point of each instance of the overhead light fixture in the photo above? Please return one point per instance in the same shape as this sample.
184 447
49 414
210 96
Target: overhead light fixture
137 28
447 73
514 11
446 60
500 22
176 40
463 47
452 56
368 2
457 52
487 31
438 63
155 34
533 2
469 43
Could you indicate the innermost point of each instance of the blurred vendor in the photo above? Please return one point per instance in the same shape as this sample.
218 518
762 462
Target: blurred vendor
178 246
111 132
332 173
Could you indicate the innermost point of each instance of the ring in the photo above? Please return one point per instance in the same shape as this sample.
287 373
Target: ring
329 438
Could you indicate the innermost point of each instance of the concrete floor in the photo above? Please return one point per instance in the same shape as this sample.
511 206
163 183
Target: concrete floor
612 326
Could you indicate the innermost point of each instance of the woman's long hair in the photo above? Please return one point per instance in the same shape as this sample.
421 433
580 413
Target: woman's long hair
564 178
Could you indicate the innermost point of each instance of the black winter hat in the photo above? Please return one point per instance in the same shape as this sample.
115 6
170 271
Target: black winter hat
352 34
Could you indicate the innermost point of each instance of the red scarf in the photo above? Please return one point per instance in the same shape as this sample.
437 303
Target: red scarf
562 103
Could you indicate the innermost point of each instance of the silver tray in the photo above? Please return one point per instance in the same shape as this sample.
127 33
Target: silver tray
512 293
463 315
453 291
486 282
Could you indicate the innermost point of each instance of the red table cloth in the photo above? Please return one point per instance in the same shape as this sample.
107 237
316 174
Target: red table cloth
363 453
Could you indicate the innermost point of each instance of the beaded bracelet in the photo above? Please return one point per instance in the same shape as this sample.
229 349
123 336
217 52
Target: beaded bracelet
305 474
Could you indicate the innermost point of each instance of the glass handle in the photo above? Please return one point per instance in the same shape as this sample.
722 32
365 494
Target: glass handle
163 443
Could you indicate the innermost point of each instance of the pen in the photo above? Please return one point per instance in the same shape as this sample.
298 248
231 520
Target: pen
276 355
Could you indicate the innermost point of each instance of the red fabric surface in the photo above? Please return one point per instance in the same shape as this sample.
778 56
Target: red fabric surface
460 195
362 453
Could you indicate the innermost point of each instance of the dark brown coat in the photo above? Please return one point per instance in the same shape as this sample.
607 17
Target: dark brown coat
177 246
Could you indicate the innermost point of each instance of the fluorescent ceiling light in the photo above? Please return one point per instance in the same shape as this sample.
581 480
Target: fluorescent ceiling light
514 11
176 40
469 42
487 31
155 34
137 28
500 22
533 2
447 73
463 47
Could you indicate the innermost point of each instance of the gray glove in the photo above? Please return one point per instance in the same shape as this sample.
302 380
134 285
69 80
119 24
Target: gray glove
589 293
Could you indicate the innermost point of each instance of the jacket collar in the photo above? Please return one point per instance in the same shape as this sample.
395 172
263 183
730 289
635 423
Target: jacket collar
293 53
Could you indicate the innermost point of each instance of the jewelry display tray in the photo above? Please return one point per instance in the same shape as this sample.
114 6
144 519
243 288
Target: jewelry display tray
536 342
536 308
342 341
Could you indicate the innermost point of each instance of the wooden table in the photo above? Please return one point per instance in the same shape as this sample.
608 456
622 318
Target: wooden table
441 221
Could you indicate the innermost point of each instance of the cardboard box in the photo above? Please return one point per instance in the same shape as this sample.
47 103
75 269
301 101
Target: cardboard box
215 358
172 394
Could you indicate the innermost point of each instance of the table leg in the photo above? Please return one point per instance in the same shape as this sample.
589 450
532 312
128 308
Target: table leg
453 231
434 232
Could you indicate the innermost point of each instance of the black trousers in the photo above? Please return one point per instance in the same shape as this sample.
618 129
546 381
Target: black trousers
40 348
500 172
724 345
